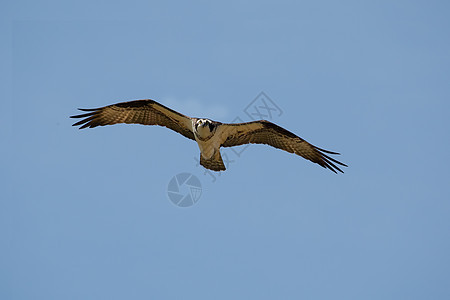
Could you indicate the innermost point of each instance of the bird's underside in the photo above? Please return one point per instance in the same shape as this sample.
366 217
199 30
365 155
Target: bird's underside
209 135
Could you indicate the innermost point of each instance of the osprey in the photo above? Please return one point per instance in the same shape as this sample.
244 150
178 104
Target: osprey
209 135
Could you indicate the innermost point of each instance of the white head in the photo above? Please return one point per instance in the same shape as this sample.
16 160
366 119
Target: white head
204 128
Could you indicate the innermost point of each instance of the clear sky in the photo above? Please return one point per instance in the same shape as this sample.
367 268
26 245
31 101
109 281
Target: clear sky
85 214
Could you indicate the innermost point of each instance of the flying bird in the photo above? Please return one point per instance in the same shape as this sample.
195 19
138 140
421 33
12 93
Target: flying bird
209 135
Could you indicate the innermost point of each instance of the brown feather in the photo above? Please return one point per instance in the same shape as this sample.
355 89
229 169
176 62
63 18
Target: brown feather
145 112
265 132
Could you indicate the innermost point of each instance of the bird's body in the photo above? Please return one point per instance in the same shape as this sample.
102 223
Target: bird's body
209 135
207 140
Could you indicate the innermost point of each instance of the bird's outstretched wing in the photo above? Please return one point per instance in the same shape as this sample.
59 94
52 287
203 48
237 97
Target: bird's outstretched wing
145 112
265 132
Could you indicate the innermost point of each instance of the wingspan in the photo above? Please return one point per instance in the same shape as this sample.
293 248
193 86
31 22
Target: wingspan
265 132
145 112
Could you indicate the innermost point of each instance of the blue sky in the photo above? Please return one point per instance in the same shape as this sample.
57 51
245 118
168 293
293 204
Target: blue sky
86 215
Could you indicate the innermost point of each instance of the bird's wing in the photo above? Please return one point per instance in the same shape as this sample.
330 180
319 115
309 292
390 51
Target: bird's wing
145 112
265 132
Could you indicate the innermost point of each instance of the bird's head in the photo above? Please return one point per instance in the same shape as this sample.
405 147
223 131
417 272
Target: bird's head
204 128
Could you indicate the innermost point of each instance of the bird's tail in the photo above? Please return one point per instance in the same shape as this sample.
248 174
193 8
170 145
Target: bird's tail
215 163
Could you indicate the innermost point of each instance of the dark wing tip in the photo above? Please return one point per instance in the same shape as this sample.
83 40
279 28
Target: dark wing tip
93 117
327 151
82 115
329 162
322 159
88 109
88 118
